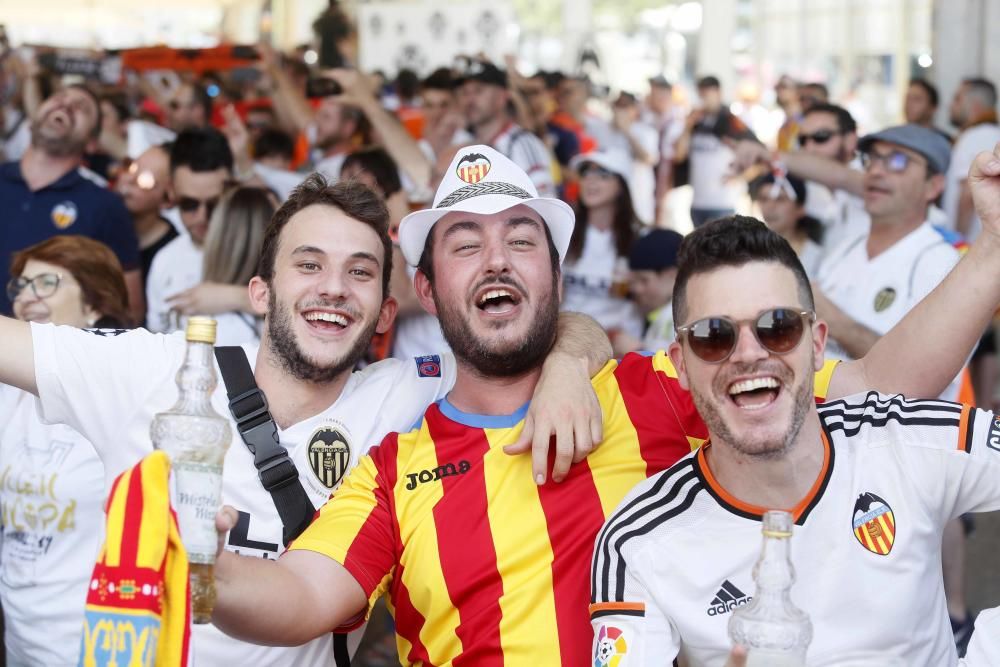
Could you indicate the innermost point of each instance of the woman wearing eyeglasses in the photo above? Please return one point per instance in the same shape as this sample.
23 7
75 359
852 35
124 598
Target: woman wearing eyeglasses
595 273
51 480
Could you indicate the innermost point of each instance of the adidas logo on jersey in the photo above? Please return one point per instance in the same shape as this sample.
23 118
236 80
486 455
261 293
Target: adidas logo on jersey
728 598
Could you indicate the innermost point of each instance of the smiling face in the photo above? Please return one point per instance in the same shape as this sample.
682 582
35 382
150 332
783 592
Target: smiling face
64 305
65 123
325 301
755 401
780 212
892 195
495 289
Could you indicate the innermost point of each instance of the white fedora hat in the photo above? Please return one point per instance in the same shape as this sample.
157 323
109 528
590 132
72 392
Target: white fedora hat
482 180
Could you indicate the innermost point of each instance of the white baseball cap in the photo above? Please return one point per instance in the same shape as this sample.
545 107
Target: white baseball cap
482 180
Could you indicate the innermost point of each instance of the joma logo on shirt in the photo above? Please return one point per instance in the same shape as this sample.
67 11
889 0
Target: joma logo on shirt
994 434
434 474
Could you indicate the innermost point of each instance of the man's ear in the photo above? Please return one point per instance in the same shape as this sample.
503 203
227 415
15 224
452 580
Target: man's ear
425 294
820 329
933 188
260 295
676 355
386 315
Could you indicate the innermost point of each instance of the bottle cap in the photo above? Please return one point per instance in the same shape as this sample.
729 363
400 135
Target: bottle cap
201 330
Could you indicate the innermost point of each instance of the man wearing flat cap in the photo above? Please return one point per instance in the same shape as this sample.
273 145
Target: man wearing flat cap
872 280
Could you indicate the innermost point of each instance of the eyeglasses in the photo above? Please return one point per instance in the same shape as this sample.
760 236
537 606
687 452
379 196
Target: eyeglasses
819 136
778 330
144 178
43 285
589 168
193 204
894 161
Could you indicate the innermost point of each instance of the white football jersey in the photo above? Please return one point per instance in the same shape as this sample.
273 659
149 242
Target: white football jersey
109 386
676 557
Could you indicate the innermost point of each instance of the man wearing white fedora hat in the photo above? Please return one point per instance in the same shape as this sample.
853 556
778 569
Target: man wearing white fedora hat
481 565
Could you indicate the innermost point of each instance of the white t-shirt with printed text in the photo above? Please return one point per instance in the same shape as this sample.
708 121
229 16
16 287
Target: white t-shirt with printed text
110 386
52 499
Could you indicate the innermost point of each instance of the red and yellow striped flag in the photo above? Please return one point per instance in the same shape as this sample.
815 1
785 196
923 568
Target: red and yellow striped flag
139 603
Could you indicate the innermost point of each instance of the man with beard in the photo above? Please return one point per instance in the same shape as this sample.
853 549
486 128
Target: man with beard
974 112
828 138
322 288
870 479
481 565
47 192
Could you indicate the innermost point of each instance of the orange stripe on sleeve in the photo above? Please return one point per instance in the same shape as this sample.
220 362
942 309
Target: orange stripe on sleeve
963 428
623 608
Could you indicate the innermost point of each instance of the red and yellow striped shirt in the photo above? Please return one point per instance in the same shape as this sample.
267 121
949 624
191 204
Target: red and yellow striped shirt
482 566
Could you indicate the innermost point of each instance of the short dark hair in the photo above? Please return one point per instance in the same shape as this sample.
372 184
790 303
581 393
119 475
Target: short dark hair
273 142
200 150
733 241
708 82
99 117
407 84
845 121
817 86
354 199
439 79
426 263
377 162
929 89
984 89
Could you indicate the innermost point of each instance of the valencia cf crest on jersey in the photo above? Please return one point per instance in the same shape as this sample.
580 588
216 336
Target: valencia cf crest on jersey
64 214
611 647
329 455
885 298
874 524
473 168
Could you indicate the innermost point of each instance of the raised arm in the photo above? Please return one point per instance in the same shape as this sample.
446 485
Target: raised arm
927 349
832 174
564 404
17 355
396 140
306 594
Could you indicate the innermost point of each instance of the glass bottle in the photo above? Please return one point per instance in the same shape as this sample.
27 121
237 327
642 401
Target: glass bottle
775 632
196 438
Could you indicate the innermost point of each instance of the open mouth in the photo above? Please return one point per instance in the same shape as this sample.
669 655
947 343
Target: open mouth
60 117
755 393
327 320
498 300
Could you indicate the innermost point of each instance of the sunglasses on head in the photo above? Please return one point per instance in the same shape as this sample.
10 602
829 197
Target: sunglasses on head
819 136
778 330
192 204
893 161
596 170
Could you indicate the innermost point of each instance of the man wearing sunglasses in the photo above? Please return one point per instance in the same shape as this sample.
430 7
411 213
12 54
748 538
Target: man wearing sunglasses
870 479
827 160
201 165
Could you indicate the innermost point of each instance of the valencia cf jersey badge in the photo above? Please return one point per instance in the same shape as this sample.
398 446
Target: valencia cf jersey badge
329 455
885 297
874 524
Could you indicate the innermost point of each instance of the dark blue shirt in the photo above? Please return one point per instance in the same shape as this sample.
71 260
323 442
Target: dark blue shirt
74 204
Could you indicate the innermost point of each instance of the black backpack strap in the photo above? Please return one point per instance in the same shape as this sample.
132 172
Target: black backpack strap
277 473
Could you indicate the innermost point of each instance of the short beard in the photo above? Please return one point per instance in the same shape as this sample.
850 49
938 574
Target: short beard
519 358
720 430
61 147
281 341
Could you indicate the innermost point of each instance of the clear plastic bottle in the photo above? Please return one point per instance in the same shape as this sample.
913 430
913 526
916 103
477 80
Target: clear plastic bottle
196 438
775 632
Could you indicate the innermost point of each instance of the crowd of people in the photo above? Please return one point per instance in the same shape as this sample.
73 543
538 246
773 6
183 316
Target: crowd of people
416 254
